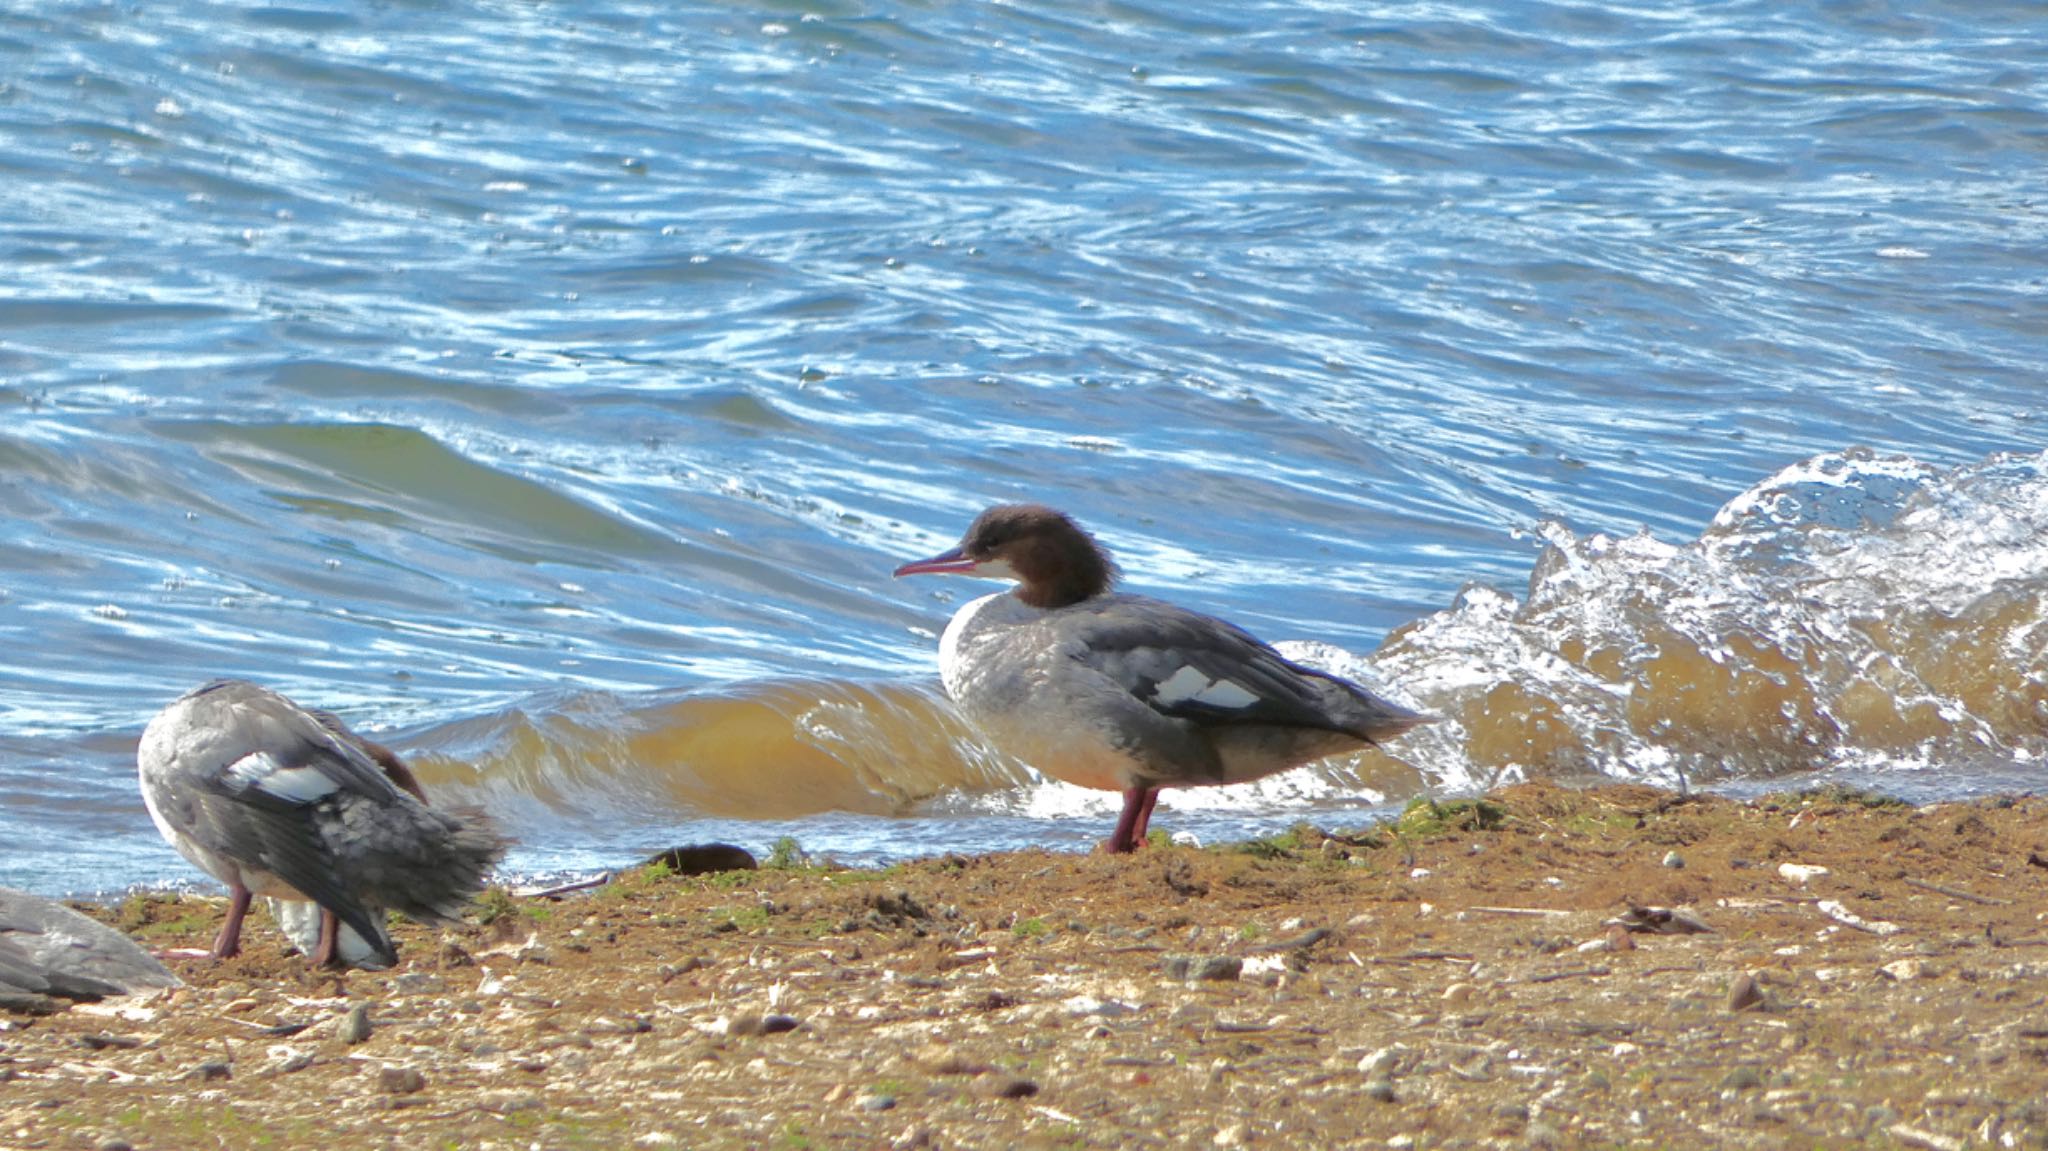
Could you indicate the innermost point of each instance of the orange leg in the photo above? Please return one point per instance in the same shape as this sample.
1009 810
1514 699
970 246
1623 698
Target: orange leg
1130 826
328 953
228 943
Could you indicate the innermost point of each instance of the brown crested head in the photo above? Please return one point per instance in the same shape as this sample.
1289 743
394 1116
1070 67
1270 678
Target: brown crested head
1053 560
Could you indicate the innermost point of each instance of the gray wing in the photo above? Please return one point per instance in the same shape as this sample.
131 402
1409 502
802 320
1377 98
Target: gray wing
1204 670
47 948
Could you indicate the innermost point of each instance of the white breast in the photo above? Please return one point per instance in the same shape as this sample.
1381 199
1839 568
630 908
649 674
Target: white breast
955 653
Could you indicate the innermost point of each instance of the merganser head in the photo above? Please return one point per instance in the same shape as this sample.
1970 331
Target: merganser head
1051 558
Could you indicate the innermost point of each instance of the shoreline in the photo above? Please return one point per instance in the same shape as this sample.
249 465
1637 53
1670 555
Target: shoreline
1875 974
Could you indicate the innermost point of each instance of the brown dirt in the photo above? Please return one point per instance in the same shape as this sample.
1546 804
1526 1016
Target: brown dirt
1398 989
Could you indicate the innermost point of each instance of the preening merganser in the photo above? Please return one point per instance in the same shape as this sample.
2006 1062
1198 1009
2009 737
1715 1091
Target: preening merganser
317 932
264 796
1124 692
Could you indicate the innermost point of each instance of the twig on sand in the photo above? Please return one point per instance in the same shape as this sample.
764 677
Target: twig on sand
1958 893
1835 910
1570 973
564 888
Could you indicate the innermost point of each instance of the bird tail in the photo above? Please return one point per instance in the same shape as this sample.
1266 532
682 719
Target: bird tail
426 863
1377 719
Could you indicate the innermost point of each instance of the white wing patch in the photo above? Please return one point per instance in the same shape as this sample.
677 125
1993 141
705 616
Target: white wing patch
291 784
1188 684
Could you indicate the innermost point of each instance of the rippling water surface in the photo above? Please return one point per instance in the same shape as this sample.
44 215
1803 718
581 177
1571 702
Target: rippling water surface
551 388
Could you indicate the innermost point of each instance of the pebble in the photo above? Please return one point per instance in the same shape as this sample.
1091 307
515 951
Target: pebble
875 1102
1458 993
1004 1087
418 983
1402 1142
1203 967
1673 860
1742 1079
1379 1064
116 1145
941 1060
1380 1089
285 1059
754 1023
210 1070
355 1026
1089 1005
1801 872
1915 1137
1231 1136
1744 994
1902 970
400 1080
911 1139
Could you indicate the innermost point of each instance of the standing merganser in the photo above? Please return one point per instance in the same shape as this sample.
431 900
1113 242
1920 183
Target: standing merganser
1124 692
262 795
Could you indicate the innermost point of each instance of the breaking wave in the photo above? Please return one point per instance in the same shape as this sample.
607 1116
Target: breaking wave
1855 612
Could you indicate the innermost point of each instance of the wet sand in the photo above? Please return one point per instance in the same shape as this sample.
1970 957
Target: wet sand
1448 982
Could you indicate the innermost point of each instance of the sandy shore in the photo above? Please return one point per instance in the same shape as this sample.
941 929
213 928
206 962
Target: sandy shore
1448 983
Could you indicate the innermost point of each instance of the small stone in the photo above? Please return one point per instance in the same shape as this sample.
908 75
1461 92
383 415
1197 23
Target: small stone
1458 993
912 1139
355 1026
875 1102
1089 1005
1004 1087
115 1145
285 1059
1402 1142
1742 1079
400 1080
1381 1090
1744 994
1801 872
1540 1134
754 1023
1902 970
1379 1064
1915 1137
940 1060
1202 967
1674 860
1231 1136
418 983
211 1070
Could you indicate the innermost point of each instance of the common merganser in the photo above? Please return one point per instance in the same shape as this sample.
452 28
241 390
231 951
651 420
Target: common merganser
318 933
49 950
1123 692
259 793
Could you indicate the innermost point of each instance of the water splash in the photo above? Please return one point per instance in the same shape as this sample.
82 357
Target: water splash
1855 608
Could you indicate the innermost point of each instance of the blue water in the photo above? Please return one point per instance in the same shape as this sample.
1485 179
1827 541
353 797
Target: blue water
466 367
